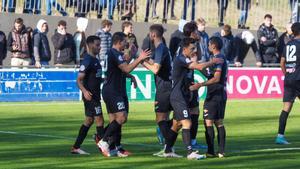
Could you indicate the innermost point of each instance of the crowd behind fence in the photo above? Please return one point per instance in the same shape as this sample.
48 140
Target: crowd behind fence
29 45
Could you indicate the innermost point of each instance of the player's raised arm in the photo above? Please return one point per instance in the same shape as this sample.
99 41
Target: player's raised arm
150 65
201 66
127 68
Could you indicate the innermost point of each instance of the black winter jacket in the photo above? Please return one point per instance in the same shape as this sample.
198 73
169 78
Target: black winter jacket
3 47
64 46
269 46
40 41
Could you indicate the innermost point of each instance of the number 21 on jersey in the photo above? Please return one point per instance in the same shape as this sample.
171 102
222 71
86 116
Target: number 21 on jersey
290 53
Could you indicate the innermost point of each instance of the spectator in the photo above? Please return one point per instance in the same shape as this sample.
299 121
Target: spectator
284 39
19 44
294 11
3 47
243 42
176 38
244 6
132 45
127 9
104 34
30 5
64 46
110 8
80 39
204 39
11 5
228 46
50 3
185 9
268 37
41 49
84 7
153 5
166 9
222 7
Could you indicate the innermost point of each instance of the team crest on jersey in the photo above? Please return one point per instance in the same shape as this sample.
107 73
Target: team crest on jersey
82 68
187 60
120 58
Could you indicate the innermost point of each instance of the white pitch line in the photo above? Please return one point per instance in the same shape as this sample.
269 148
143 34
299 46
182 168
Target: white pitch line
67 138
141 144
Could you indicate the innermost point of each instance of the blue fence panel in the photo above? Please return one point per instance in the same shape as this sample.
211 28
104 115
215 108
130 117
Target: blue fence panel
38 85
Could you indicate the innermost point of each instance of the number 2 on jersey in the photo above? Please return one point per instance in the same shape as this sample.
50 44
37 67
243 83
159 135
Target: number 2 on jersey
290 53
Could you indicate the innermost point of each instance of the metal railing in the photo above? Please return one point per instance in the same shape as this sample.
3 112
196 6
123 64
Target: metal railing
208 9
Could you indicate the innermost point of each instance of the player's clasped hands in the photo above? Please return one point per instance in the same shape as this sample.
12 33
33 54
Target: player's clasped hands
145 54
194 86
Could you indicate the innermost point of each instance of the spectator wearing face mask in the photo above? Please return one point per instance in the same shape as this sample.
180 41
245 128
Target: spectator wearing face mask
242 43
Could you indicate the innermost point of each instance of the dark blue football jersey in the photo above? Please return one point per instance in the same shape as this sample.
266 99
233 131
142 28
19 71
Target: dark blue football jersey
115 82
291 54
91 67
163 58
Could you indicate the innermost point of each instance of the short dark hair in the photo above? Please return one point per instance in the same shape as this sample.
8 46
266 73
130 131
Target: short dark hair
19 21
158 29
217 42
62 23
187 41
189 28
227 29
92 39
296 28
268 16
126 24
105 23
118 37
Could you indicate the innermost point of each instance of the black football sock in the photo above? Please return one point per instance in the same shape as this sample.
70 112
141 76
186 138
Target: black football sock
164 128
111 130
170 141
174 138
194 127
210 139
282 122
100 131
186 137
221 139
81 136
118 137
170 123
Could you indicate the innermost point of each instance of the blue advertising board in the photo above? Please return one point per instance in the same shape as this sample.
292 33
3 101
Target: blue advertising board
38 85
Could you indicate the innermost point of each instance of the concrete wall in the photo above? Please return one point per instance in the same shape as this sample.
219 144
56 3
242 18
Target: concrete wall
140 29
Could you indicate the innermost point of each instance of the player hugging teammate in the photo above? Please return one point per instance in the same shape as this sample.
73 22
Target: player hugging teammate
175 90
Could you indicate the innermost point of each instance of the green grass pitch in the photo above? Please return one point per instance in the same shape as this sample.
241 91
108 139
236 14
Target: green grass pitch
40 135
